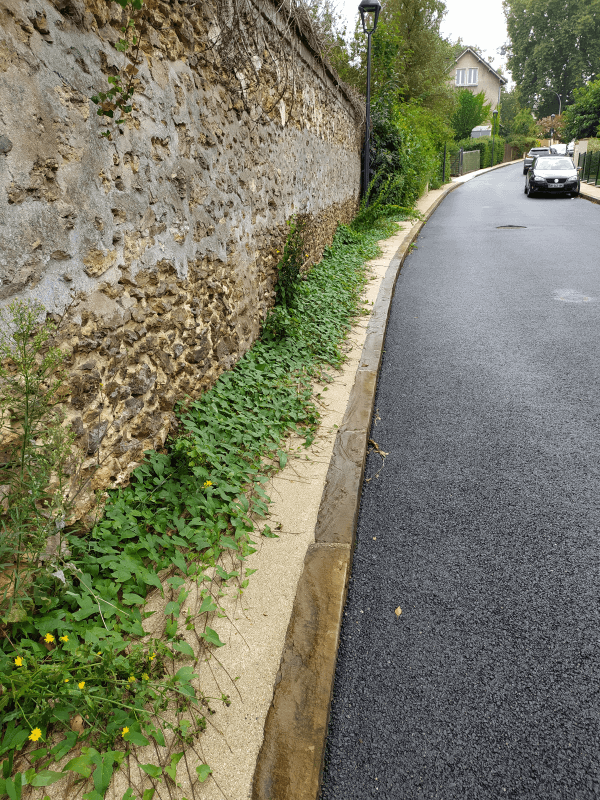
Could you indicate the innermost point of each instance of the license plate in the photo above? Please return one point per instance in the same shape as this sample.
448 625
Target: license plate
554 186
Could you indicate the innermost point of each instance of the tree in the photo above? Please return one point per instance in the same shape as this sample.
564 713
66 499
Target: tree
554 46
523 135
410 58
472 110
509 108
547 126
524 124
582 118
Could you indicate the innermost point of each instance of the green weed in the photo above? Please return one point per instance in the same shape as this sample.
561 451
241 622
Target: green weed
77 669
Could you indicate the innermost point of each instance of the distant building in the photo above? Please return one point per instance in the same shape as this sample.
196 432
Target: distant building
481 130
473 72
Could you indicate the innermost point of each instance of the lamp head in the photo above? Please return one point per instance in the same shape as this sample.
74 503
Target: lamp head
369 14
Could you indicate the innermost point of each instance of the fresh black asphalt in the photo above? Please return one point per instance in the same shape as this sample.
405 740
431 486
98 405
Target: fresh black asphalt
483 524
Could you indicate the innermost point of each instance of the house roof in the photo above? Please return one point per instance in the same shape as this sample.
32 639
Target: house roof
483 61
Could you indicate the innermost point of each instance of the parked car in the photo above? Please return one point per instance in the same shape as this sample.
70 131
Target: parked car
533 153
552 174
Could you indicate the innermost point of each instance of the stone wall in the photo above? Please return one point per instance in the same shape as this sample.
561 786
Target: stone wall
158 247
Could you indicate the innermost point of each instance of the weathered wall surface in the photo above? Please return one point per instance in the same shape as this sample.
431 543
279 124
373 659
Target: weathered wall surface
162 243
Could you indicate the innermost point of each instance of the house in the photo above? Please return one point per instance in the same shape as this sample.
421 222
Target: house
472 72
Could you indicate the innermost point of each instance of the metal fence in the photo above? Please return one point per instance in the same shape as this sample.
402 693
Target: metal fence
465 161
589 168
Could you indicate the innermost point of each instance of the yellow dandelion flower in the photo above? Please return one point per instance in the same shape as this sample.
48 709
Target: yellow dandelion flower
124 731
66 680
145 676
131 679
63 638
35 735
48 638
153 656
19 661
81 684
208 483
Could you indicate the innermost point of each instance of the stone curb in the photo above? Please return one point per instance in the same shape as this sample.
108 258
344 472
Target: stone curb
589 197
290 762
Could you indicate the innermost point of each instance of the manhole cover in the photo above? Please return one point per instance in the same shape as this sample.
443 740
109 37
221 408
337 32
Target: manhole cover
509 227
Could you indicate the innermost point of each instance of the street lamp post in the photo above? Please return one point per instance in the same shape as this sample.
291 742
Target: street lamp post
495 117
369 14
552 117
559 103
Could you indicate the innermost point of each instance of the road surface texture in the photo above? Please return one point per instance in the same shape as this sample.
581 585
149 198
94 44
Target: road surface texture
483 523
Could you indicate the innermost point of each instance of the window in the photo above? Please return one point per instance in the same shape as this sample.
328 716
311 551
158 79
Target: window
466 77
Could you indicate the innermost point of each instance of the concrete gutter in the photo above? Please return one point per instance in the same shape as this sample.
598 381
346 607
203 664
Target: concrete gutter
290 762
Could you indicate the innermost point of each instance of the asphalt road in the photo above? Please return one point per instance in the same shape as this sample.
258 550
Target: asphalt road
483 524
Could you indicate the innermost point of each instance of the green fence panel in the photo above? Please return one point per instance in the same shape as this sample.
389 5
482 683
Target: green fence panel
471 161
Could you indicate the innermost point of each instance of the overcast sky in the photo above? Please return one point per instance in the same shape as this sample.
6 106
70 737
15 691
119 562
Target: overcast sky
477 23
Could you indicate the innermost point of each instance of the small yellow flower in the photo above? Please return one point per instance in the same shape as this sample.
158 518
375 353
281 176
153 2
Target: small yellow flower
153 656
145 676
124 731
208 483
98 654
35 735
81 684
48 638
131 679
19 661
66 680
63 638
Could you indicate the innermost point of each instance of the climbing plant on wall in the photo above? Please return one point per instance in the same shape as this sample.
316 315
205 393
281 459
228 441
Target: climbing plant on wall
116 103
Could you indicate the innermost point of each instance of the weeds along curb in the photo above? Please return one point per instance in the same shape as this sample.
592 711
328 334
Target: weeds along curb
187 514
290 761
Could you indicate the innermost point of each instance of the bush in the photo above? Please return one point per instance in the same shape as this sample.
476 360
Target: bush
404 153
593 145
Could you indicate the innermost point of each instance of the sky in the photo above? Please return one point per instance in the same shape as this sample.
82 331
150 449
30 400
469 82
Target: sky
477 23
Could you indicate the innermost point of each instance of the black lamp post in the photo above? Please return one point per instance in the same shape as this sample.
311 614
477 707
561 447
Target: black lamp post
369 14
494 120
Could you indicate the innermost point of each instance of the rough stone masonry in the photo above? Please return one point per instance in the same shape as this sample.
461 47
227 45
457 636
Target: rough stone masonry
159 246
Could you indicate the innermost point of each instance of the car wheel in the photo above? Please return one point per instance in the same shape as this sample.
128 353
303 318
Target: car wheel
524 172
525 188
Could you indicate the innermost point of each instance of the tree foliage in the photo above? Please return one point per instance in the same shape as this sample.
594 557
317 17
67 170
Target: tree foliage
554 47
582 118
547 127
410 58
471 110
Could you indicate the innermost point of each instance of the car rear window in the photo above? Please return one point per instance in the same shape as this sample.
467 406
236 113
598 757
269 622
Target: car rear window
554 162
537 151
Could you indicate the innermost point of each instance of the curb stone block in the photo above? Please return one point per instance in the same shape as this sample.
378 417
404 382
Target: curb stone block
291 758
